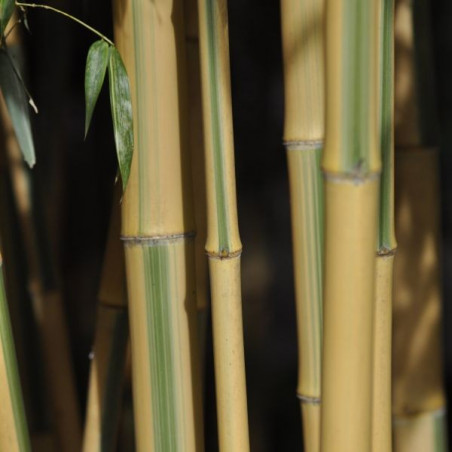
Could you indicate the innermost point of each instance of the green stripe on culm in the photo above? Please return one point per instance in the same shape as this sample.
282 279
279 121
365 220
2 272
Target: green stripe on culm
217 132
356 91
111 402
439 421
9 353
314 243
386 219
160 335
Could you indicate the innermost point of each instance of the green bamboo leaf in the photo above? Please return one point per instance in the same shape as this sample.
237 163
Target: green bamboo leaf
121 112
6 11
96 67
18 106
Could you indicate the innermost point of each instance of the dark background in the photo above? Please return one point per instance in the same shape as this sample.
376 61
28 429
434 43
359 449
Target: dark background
73 183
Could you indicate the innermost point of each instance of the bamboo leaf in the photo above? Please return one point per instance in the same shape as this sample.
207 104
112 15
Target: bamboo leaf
96 67
121 112
18 108
6 11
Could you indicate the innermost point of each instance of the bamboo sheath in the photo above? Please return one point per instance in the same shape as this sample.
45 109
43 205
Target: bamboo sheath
13 425
351 164
419 407
223 244
386 244
302 30
110 347
157 229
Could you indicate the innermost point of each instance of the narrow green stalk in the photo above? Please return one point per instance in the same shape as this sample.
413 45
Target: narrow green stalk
13 425
386 244
386 235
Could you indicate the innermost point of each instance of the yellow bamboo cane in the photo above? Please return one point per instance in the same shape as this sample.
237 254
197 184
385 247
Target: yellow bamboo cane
223 244
351 165
157 228
418 392
386 243
302 30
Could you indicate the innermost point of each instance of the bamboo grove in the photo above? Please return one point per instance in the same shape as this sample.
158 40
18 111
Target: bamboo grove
170 336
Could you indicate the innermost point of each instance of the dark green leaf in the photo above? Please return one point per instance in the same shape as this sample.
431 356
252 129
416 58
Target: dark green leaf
6 11
18 107
96 67
121 112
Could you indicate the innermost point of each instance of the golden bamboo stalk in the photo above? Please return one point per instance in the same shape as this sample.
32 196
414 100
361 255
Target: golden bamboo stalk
223 244
419 406
351 164
110 346
386 243
302 32
157 228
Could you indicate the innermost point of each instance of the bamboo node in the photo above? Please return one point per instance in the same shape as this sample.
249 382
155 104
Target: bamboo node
224 254
357 177
309 400
156 240
386 252
303 145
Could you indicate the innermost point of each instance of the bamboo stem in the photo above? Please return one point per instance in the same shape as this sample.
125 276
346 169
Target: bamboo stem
110 347
386 247
381 407
157 229
302 27
197 148
223 244
13 425
196 135
351 164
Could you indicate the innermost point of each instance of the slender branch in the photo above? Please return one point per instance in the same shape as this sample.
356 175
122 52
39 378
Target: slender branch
51 8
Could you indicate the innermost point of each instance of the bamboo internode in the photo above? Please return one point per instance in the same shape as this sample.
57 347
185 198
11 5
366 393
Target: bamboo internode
157 228
386 244
303 49
110 346
223 243
351 163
